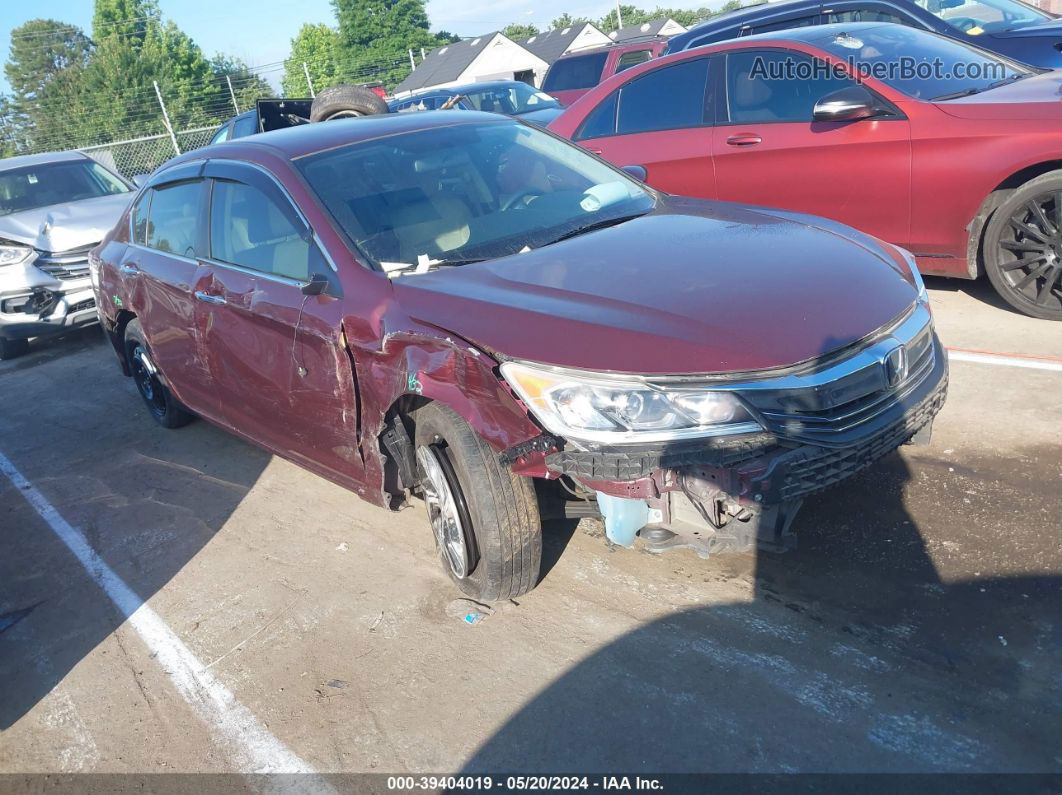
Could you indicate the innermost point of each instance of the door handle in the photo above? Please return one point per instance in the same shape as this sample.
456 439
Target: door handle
594 151
128 270
744 139
208 298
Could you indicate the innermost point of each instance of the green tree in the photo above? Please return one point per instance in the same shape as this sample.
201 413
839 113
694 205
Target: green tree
631 16
566 20
129 57
376 36
518 31
318 47
45 68
246 85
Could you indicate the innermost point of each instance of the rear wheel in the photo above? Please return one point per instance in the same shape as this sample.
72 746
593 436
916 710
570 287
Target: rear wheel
485 519
12 349
1023 248
160 402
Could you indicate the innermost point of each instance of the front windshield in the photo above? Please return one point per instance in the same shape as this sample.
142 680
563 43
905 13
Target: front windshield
920 64
512 100
975 17
468 191
30 187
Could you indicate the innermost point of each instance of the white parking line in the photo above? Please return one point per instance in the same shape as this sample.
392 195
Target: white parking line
253 748
1004 360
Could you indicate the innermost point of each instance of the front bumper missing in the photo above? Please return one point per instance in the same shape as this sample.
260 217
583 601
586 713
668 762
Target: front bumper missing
740 494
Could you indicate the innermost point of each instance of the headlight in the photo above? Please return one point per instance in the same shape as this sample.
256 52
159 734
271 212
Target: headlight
13 254
923 294
612 410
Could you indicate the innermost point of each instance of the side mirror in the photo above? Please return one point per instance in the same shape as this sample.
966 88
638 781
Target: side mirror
317 285
638 172
848 104
140 180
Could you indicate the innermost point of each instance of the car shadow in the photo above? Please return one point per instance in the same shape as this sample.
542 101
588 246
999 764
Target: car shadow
851 654
147 500
51 348
980 290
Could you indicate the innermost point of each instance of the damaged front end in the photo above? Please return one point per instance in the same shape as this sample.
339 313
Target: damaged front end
740 483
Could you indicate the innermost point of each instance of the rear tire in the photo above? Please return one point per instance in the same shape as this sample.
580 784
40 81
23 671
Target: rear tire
12 349
1023 248
161 404
495 511
342 102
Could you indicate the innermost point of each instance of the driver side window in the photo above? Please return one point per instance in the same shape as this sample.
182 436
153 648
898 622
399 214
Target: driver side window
777 86
252 230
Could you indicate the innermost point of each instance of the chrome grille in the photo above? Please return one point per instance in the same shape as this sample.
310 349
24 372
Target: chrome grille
840 402
66 265
797 420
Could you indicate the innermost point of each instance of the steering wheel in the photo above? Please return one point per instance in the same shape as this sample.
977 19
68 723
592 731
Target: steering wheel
963 23
520 200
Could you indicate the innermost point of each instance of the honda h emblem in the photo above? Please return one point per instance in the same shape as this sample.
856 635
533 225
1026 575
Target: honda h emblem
895 364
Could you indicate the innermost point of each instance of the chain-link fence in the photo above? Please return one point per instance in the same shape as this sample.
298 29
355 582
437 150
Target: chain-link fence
144 155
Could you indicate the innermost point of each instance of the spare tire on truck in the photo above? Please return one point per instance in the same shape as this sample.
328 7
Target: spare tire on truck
344 102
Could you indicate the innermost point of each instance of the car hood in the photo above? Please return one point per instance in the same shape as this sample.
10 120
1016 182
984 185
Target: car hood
1036 97
61 227
541 117
693 287
1052 28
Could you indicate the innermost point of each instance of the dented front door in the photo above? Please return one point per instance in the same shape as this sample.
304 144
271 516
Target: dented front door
276 355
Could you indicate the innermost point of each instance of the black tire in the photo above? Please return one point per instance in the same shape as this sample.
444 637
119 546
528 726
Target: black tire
504 529
160 402
12 349
1023 248
342 102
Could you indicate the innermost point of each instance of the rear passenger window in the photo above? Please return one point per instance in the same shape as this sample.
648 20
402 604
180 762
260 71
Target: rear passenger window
172 218
250 229
629 59
241 128
665 99
583 71
782 24
601 121
865 15
140 218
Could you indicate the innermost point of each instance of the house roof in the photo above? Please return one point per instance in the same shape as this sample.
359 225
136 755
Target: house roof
651 28
445 64
552 44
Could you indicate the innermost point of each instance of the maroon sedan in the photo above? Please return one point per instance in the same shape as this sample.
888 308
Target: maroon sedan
947 150
465 308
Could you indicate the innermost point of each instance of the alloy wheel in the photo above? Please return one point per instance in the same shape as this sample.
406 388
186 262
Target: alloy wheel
1030 256
446 509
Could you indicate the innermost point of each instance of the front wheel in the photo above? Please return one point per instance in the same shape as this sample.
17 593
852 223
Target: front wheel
12 349
485 519
1023 248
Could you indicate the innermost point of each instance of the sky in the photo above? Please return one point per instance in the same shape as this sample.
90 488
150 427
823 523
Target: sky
260 31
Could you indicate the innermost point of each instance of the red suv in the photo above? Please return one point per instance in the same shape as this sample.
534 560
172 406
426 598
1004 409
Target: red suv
934 145
576 73
463 307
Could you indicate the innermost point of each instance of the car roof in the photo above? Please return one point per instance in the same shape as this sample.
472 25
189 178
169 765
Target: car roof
22 161
305 139
747 13
815 34
618 46
464 88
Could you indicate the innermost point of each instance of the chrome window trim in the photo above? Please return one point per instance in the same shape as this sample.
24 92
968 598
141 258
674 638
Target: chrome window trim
181 257
284 192
273 277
